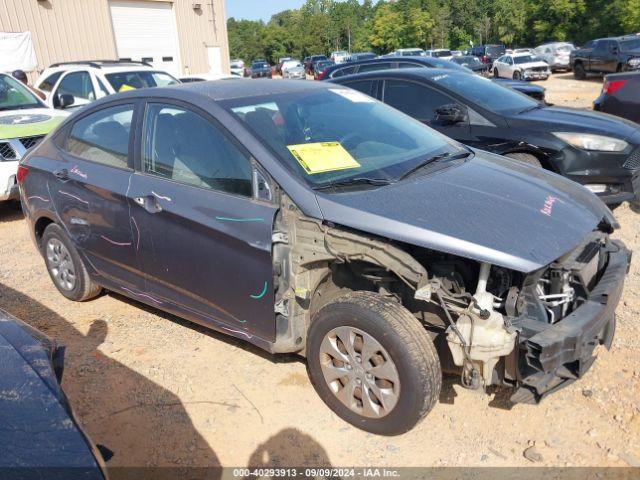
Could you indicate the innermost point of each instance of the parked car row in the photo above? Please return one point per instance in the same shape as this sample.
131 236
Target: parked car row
368 241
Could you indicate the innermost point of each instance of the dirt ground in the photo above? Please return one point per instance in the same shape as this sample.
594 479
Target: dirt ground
159 391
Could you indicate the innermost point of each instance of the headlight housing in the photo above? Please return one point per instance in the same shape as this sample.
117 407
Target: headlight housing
634 63
589 141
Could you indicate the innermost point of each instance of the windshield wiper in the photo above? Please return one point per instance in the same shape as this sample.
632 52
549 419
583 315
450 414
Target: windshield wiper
442 156
377 182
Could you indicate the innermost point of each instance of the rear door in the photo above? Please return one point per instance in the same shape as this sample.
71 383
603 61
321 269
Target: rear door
89 189
205 240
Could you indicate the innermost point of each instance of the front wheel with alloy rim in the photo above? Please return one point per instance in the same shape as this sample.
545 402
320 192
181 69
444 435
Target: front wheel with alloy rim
517 75
373 363
65 267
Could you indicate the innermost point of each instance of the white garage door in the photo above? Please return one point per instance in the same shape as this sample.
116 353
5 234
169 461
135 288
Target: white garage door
146 31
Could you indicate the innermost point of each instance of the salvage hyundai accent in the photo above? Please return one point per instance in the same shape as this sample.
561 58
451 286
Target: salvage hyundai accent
311 218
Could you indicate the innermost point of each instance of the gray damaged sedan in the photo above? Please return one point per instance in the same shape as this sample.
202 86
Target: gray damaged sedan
309 218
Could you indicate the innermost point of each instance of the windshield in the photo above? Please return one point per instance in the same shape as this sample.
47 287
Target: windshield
260 65
122 81
486 93
566 47
328 135
410 53
495 50
14 95
442 53
324 64
523 59
630 44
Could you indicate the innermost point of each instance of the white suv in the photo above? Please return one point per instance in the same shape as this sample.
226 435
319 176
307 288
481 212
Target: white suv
73 84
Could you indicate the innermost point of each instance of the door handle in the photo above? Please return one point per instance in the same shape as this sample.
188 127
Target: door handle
62 174
149 203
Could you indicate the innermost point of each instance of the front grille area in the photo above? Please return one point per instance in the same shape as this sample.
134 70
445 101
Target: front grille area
538 69
7 152
633 162
29 142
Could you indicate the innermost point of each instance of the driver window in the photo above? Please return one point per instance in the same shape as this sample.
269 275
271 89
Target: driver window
417 101
183 146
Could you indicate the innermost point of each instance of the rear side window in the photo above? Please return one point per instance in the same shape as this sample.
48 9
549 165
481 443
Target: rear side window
102 137
49 82
374 67
184 146
341 72
418 101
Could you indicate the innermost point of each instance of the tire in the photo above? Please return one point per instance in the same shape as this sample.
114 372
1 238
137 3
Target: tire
579 72
517 75
65 267
525 158
496 74
401 344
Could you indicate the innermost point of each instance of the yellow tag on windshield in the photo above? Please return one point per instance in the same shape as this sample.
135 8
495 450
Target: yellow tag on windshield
323 157
126 88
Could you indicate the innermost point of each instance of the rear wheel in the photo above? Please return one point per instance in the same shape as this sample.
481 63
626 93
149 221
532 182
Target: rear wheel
65 267
373 363
525 158
496 74
579 72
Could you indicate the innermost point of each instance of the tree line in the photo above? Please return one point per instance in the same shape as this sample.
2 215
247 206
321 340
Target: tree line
322 26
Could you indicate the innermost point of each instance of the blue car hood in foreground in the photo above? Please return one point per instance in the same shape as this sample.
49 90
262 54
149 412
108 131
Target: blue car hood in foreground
488 208
37 430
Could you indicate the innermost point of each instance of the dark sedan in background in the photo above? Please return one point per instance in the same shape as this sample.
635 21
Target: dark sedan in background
39 436
390 63
620 96
261 69
598 151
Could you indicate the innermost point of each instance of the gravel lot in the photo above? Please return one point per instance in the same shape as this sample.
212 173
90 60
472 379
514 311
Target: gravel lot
159 391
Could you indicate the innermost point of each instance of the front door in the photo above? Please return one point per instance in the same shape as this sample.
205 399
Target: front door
89 189
205 241
421 102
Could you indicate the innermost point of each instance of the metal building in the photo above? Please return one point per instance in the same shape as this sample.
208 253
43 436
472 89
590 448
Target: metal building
181 36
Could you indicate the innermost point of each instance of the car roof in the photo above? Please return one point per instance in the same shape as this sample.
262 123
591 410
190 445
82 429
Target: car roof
415 73
239 88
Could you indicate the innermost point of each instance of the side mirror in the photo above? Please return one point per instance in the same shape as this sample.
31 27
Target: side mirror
63 100
451 114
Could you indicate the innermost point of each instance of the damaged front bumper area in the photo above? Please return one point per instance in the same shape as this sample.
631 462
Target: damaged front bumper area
553 355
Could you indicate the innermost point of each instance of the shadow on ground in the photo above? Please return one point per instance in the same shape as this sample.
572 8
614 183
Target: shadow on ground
118 407
289 448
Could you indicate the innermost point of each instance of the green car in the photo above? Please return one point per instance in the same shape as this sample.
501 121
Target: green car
24 121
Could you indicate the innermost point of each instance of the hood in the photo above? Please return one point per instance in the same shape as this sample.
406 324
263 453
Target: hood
533 64
489 208
568 119
29 122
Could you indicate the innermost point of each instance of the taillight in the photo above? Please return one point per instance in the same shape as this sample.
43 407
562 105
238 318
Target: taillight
22 173
484 59
611 87
322 74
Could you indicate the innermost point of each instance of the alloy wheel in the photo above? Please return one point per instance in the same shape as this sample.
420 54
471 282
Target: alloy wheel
61 264
360 372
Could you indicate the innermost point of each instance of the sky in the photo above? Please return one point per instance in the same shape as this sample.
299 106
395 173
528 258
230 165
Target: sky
259 9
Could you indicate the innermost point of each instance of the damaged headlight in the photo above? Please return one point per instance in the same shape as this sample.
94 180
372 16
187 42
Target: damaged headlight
588 141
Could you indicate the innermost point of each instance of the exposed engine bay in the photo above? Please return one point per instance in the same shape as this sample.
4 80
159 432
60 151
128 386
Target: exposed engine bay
480 316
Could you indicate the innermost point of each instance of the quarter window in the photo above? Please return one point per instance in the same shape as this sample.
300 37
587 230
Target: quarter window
415 100
49 82
77 84
186 147
103 137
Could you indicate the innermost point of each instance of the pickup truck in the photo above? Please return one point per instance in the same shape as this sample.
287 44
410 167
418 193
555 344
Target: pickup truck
606 55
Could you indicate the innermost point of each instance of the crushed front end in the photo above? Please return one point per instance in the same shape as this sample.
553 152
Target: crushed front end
562 314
